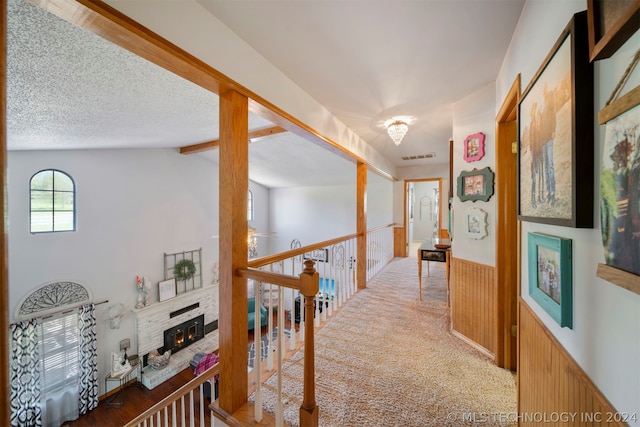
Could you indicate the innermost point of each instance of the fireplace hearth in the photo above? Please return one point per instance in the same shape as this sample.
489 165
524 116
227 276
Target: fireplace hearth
183 335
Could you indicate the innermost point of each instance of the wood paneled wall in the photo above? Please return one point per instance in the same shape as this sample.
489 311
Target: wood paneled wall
399 242
551 384
473 302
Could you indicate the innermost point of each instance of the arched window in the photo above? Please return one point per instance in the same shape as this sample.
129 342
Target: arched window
250 206
53 202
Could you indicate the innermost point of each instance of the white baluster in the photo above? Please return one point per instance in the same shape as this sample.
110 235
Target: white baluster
257 343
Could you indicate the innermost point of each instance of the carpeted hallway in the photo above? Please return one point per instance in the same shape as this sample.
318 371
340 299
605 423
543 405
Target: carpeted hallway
388 359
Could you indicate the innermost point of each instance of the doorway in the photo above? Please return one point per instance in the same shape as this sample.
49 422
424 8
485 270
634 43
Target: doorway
423 211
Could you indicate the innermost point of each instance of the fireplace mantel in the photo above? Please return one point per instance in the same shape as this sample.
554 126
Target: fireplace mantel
151 321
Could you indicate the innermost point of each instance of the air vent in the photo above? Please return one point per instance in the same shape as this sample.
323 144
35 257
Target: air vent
419 156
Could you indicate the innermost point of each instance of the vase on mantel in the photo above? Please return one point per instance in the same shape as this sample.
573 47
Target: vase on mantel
141 299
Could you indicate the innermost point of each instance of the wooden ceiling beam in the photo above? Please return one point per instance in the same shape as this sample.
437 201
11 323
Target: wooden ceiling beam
253 136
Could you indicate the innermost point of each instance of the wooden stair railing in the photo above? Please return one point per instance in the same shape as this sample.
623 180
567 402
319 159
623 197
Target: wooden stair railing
307 284
174 407
167 411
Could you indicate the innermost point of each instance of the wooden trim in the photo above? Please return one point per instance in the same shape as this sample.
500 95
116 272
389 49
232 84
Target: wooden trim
624 279
4 281
619 106
234 184
399 242
254 136
507 278
473 344
361 225
550 380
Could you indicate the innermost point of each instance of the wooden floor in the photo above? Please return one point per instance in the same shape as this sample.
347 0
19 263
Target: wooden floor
138 399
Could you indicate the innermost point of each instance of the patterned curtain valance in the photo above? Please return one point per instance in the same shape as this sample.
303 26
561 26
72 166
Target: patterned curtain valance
52 297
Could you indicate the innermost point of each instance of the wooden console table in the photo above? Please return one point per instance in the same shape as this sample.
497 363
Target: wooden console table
428 252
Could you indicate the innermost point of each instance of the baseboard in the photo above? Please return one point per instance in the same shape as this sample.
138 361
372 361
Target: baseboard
477 346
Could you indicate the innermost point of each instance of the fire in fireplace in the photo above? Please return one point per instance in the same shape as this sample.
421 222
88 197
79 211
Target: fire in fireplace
184 334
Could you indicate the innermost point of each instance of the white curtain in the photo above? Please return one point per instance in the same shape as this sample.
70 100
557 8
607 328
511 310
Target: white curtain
60 406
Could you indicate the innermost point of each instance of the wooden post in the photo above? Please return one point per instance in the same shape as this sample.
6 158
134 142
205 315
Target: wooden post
4 282
361 225
234 185
309 288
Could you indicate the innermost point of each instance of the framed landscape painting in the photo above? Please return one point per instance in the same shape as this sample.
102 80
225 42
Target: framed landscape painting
555 155
551 276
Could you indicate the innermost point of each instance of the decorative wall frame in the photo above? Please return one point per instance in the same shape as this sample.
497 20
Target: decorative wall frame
620 189
476 225
551 276
52 297
555 156
611 23
473 149
167 289
476 185
186 268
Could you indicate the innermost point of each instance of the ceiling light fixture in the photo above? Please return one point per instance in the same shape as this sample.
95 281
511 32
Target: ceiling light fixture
396 129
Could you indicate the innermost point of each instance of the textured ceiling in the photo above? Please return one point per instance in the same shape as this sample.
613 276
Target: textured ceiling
70 89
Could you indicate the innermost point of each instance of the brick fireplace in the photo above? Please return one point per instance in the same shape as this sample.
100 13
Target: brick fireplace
183 335
189 319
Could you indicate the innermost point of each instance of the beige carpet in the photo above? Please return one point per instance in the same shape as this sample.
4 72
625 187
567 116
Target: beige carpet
387 359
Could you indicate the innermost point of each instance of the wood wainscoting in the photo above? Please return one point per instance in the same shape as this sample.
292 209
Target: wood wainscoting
399 242
473 303
550 382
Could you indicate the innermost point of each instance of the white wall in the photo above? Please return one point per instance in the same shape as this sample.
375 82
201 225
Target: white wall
132 207
439 170
311 214
605 339
379 201
261 221
472 115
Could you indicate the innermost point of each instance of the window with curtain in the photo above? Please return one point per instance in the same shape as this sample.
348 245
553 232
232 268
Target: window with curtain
60 352
250 206
52 207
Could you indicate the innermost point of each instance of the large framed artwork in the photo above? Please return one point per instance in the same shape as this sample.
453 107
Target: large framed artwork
611 23
620 192
476 185
555 156
551 276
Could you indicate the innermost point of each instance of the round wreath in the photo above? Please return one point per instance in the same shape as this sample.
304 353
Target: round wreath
184 270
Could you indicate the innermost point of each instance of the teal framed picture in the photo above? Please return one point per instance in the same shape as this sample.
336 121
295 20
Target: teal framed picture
551 276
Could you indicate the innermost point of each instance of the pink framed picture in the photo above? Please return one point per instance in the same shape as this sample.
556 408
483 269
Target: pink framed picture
474 147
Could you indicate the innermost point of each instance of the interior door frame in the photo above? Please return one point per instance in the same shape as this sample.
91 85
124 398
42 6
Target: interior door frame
406 204
507 231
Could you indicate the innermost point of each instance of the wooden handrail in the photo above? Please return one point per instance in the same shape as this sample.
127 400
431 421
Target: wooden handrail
182 391
270 259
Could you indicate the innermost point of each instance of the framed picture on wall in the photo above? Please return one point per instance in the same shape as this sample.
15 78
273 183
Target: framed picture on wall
551 276
473 149
555 155
611 23
620 192
476 185
167 289
476 226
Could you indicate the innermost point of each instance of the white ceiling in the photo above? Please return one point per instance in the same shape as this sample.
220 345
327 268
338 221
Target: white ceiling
364 60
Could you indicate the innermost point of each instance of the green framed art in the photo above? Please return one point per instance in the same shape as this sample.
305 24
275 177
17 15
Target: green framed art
476 185
551 276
